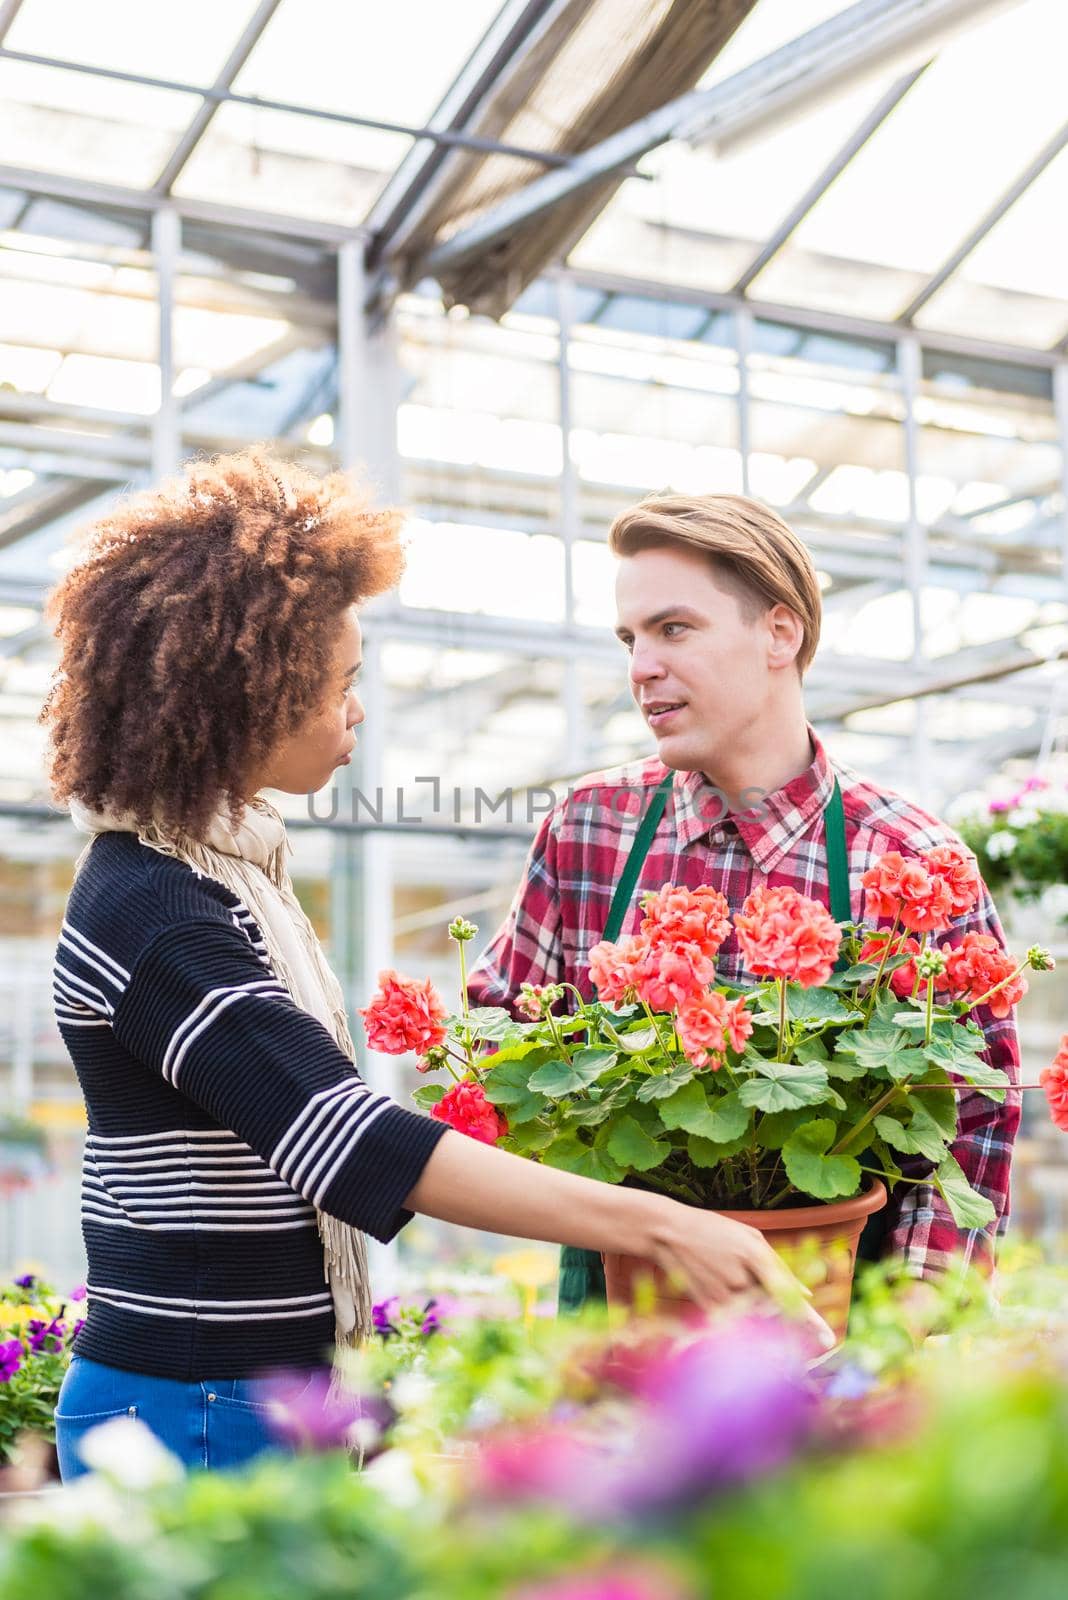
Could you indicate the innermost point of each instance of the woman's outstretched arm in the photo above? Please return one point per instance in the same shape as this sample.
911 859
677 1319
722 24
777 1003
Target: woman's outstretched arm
478 1186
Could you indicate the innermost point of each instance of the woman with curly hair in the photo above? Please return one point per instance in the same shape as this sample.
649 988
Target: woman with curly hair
209 649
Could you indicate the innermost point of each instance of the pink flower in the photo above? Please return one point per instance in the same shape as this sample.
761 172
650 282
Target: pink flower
926 900
687 916
465 1108
702 1029
1054 1081
783 934
671 973
922 897
739 1023
404 1014
614 969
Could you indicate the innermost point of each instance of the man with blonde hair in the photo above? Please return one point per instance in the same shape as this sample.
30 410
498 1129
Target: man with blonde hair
718 609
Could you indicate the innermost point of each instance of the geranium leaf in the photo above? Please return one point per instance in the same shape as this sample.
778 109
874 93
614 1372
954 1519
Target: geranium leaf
969 1209
509 1086
428 1094
809 1167
561 1077
687 1108
775 1127
571 1155
632 1147
782 1085
661 1087
493 1023
709 1152
920 1137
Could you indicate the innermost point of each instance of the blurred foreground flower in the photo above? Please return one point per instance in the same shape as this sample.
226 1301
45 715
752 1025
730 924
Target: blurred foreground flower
314 1413
733 1404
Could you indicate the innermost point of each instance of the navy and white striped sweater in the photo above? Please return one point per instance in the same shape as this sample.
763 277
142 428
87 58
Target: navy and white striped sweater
220 1115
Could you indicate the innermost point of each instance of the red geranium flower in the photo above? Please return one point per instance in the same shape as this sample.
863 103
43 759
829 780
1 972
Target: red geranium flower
670 973
404 1014
976 965
465 1108
902 979
958 869
1054 1080
922 896
783 934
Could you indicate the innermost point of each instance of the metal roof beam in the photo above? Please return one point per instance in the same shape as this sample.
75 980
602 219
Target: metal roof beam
1045 156
865 34
189 140
512 34
814 194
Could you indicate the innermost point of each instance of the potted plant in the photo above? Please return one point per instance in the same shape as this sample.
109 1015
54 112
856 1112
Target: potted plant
1021 843
786 1103
37 1329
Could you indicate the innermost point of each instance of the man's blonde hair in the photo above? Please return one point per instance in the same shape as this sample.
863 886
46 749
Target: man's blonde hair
749 546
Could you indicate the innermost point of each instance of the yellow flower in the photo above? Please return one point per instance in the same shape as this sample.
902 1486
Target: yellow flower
527 1269
17 1317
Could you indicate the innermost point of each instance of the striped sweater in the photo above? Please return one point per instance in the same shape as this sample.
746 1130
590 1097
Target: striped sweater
220 1116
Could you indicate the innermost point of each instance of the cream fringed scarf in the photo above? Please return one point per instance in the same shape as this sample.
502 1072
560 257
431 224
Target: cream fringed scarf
251 863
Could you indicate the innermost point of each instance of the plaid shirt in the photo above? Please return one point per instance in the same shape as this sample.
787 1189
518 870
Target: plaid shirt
562 904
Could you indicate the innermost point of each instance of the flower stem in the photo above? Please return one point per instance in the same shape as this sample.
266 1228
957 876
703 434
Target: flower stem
869 1116
782 1018
462 948
659 1036
882 967
558 1038
930 1011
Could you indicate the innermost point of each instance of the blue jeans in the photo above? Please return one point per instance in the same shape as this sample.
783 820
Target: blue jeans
215 1423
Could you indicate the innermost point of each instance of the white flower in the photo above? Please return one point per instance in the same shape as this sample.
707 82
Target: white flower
395 1475
1023 817
1054 901
967 807
1055 801
129 1455
1000 844
411 1390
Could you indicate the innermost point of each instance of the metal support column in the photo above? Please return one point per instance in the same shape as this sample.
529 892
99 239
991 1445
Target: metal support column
743 336
166 433
361 885
910 369
575 741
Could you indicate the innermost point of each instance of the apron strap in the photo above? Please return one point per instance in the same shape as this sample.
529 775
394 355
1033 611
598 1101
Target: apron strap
636 859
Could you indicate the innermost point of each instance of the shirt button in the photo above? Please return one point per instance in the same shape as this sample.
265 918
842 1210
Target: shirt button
211 1395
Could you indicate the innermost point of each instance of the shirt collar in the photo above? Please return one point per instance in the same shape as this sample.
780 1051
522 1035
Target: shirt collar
780 819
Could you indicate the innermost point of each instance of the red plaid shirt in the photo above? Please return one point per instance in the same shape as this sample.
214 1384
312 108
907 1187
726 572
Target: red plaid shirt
561 907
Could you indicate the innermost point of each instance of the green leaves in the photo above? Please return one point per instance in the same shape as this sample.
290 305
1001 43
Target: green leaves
726 1117
561 1077
506 1086
632 1147
780 1085
570 1154
811 1169
882 1048
922 1136
659 1088
969 1208
428 1095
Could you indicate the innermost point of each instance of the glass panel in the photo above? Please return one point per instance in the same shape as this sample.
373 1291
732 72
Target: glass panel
706 213
478 438
932 169
187 44
990 456
654 406
292 165
394 62
1014 286
58 121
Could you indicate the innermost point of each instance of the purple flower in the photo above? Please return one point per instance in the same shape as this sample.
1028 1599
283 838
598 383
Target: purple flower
313 1414
727 1407
41 1333
433 1318
77 1328
605 1585
10 1359
27 1281
995 807
78 1293
383 1313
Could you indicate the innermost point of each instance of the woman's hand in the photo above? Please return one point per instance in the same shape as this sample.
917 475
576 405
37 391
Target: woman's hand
717 1258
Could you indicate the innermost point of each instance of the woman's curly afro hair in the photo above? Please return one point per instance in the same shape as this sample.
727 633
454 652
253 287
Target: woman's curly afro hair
195 632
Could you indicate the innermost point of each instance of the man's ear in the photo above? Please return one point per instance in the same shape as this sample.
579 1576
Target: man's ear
786 635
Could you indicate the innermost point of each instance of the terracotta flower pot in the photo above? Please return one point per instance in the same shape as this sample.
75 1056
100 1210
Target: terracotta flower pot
819 1242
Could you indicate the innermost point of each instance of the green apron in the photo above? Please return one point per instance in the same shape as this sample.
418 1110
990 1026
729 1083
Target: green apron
581 1273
